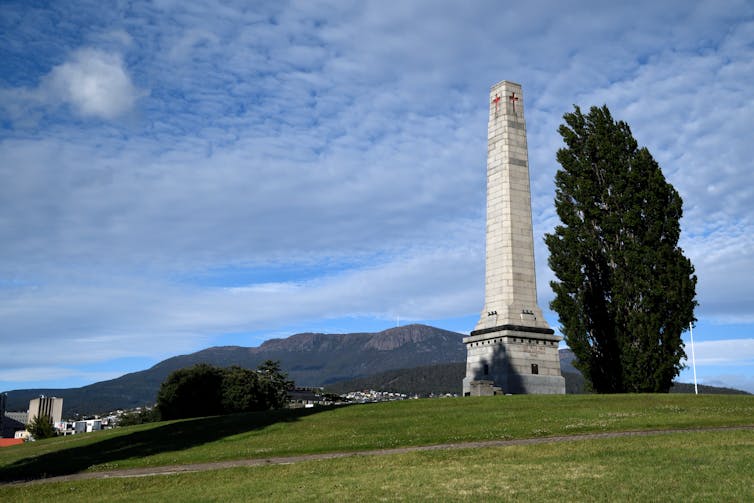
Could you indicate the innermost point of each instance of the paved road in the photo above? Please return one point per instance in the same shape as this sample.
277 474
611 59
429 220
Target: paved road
198 467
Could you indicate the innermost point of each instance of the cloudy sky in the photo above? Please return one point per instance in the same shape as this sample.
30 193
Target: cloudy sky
177 175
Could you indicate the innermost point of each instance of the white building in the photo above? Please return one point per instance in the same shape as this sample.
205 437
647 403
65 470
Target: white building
83 426
46 405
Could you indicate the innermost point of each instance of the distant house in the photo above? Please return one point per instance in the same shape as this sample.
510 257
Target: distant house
304 397
83 426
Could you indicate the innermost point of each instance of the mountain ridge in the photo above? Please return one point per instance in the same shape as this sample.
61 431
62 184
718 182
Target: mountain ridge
311 359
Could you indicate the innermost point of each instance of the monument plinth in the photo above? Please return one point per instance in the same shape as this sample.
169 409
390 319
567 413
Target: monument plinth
512 349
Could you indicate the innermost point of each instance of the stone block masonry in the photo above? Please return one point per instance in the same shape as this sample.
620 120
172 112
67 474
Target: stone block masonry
512 348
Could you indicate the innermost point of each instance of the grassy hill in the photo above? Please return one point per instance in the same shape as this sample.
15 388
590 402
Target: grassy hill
701 466
668 466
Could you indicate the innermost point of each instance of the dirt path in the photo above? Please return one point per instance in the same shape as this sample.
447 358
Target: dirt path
219 465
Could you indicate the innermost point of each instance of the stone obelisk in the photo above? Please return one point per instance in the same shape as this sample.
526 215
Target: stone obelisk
512 349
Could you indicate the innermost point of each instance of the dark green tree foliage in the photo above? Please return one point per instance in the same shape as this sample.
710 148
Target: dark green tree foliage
191 392
249 390
624 291
205 390
275 385
241 390
41 427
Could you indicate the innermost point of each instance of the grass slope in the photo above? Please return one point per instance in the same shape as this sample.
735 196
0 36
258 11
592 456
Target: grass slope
371 426
708 466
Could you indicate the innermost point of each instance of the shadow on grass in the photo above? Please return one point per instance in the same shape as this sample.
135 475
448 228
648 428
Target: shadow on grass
176 436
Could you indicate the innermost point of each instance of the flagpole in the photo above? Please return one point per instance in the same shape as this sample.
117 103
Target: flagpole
693 358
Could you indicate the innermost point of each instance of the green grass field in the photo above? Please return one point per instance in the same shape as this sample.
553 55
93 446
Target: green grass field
677 467
700 465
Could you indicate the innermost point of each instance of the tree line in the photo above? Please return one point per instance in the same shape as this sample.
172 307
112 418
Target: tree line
206 390
202 390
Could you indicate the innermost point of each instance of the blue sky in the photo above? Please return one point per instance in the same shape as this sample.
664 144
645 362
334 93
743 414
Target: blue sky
178 175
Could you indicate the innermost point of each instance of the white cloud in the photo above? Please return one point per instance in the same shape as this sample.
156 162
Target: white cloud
94 82
729 352
721 258
126 318
52 374
286 196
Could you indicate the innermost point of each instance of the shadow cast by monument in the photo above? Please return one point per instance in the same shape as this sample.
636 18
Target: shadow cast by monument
175 436
512 362
495 369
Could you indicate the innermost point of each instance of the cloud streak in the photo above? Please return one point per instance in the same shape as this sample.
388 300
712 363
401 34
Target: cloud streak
93 83
731 352
124 318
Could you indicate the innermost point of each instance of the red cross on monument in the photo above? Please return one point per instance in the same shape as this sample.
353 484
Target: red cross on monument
496 101
513 99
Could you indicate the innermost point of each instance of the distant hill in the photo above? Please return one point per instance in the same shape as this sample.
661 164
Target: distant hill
423 381
440 379
409 359
682 387
575 381
566 361
446 378
311 359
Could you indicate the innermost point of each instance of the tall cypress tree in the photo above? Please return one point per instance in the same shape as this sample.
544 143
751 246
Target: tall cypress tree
624 291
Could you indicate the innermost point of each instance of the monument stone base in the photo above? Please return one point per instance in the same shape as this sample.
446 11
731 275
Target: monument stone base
484 388
516 359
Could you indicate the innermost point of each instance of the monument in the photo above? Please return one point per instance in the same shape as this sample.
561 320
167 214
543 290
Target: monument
512 349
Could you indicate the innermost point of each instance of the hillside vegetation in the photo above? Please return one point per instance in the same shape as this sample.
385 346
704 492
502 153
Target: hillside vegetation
363 427
446 378
309 359
409 359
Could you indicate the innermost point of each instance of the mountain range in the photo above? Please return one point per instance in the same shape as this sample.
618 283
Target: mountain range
412 358
310 359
